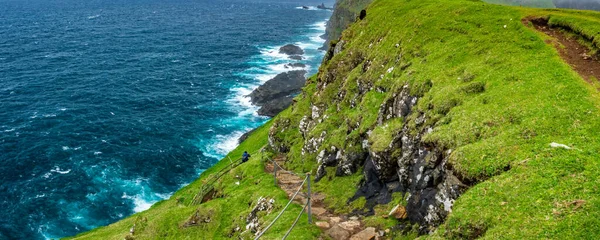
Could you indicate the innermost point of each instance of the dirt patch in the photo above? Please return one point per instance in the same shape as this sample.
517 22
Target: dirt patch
571 51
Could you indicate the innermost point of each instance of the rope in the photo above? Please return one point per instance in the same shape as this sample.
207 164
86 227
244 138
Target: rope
214 177
282 169
296 221
283 210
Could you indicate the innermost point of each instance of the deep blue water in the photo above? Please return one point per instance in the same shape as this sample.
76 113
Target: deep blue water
109 106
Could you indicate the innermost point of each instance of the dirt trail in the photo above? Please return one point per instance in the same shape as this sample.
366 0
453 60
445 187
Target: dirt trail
571 51
338 227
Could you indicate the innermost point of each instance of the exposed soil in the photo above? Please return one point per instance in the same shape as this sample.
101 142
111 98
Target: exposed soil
571 51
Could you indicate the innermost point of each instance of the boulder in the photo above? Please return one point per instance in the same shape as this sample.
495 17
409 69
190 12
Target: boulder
398 212
367 234
245 136
284 84
334 220
350 225
338 233
323 225
291 49
275 106
277 94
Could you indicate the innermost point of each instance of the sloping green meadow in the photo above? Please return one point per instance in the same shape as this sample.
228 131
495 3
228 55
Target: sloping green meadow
494 92
166 219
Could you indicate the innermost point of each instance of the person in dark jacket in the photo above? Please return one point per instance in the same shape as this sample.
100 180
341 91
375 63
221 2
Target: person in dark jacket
245 157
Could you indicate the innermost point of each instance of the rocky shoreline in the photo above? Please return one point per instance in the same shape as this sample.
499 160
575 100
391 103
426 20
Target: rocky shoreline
276 94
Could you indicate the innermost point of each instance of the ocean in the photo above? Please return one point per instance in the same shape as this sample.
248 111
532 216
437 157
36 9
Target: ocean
108 106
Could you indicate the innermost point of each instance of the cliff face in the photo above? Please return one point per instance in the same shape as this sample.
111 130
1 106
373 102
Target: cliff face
345 12
434 103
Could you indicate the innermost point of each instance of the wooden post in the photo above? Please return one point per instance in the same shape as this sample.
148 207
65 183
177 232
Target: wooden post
309 211
275 172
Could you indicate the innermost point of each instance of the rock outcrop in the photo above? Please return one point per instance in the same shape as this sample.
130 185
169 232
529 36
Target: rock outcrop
291 49
262 205
277 94
343 15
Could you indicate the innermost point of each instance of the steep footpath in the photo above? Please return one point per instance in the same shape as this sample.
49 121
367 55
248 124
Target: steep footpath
434 119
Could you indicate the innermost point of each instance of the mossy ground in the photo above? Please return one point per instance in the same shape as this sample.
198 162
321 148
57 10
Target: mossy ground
494 92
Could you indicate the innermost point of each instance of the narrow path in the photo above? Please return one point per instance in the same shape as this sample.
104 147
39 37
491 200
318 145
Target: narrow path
570 50
338 227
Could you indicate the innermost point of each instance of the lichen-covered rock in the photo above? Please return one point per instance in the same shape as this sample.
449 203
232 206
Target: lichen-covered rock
262 205
275 140
400 105
409 165
339 47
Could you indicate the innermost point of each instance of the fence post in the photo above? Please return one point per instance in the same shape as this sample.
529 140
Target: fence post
309 211
275 172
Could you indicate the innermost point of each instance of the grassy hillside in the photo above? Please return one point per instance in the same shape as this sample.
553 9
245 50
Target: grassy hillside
166 219
494 94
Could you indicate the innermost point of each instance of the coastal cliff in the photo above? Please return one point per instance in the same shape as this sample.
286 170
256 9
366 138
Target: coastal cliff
432 119
344 13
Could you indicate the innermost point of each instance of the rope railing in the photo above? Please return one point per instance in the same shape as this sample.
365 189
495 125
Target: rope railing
295 222
276 166
209 184
283 210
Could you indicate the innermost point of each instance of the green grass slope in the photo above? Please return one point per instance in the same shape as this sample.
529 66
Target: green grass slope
165 219
492 90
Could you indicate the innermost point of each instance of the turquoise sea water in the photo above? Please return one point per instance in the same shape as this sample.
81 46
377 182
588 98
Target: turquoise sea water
109 106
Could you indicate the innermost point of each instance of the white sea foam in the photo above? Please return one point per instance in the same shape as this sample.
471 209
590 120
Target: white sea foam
321 26
143 197
141 204
241 96
94 16
223 144
309 8
60 171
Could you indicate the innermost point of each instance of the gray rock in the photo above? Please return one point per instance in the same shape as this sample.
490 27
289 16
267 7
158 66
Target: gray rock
273 107
284 84
337 232
277 94
339 47
245 136
295 65
291 49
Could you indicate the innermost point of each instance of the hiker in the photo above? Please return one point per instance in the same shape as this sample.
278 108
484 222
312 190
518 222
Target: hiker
245 157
